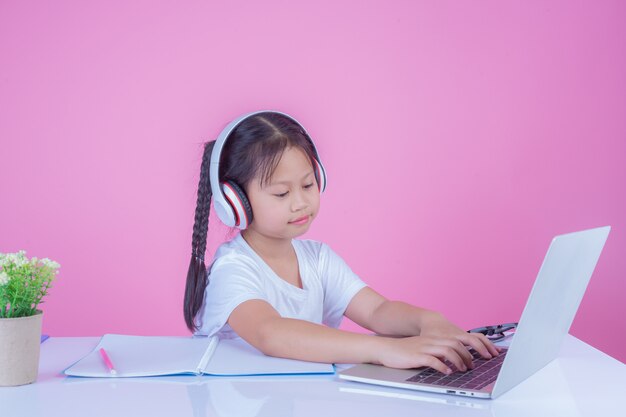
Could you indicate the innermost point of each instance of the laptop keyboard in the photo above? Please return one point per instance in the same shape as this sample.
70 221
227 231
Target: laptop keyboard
484 373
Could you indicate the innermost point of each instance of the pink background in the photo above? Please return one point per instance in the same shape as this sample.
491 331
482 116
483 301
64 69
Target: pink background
459 138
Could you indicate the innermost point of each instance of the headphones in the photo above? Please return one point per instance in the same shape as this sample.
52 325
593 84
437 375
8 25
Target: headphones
229 199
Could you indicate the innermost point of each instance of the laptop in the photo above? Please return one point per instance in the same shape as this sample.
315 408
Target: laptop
546 319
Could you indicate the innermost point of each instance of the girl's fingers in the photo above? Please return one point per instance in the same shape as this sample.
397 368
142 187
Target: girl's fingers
493 349
465 355
456 353
435 363
481 344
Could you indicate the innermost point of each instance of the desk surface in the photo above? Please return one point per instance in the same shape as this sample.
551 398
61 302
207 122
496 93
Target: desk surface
556 390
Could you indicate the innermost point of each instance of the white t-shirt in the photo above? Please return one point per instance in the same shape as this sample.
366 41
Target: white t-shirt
238 274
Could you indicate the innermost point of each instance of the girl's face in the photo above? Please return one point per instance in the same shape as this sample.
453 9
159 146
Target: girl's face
286 205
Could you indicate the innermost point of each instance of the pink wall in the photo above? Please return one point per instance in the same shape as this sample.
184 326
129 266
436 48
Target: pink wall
459 138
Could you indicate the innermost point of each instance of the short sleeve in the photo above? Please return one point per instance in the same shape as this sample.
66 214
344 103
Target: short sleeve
232 280
340 285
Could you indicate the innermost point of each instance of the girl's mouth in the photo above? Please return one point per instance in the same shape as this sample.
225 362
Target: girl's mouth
300 221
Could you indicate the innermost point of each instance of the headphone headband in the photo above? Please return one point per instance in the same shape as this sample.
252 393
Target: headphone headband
230 214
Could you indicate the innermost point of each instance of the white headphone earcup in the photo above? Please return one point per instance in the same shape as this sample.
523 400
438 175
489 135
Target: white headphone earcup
239 205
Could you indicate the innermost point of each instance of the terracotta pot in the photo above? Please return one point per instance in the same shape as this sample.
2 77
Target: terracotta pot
20 340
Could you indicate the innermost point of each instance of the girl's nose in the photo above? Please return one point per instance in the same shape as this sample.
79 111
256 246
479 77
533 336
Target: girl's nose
298 201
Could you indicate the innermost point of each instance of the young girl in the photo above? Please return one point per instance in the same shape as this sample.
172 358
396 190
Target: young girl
287 296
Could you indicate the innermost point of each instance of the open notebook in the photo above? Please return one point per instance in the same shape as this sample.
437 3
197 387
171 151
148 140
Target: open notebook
139 356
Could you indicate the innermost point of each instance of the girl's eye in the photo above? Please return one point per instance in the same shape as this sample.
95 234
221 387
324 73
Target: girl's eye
308 186
281 195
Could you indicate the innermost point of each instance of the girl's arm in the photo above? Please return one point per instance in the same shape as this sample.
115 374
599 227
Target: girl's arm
259 324
395 318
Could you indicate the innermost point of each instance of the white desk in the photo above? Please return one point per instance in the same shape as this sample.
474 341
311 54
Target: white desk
556 390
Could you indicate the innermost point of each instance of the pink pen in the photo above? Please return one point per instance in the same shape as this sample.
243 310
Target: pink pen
107 361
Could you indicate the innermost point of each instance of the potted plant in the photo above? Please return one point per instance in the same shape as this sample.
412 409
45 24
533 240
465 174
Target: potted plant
23 285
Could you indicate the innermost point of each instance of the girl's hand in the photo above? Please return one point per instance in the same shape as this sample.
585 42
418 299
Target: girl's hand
435 325
417 351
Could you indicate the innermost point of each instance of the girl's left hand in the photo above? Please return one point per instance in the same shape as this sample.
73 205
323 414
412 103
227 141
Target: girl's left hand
436 325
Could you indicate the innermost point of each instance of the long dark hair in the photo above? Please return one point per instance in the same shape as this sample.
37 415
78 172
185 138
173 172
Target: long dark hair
252 150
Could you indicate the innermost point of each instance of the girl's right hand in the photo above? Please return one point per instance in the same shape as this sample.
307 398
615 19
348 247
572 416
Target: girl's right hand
418 351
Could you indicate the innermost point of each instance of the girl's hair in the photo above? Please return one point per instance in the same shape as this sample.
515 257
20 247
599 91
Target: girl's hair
252 150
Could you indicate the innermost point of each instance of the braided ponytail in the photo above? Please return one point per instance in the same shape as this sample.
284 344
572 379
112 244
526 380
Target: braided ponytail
197 274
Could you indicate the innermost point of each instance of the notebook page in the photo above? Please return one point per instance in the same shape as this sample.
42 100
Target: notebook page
135 356
236 357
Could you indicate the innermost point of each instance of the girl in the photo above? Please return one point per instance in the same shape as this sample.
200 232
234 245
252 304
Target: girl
287 296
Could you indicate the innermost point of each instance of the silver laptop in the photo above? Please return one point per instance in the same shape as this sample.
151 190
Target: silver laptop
546 319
